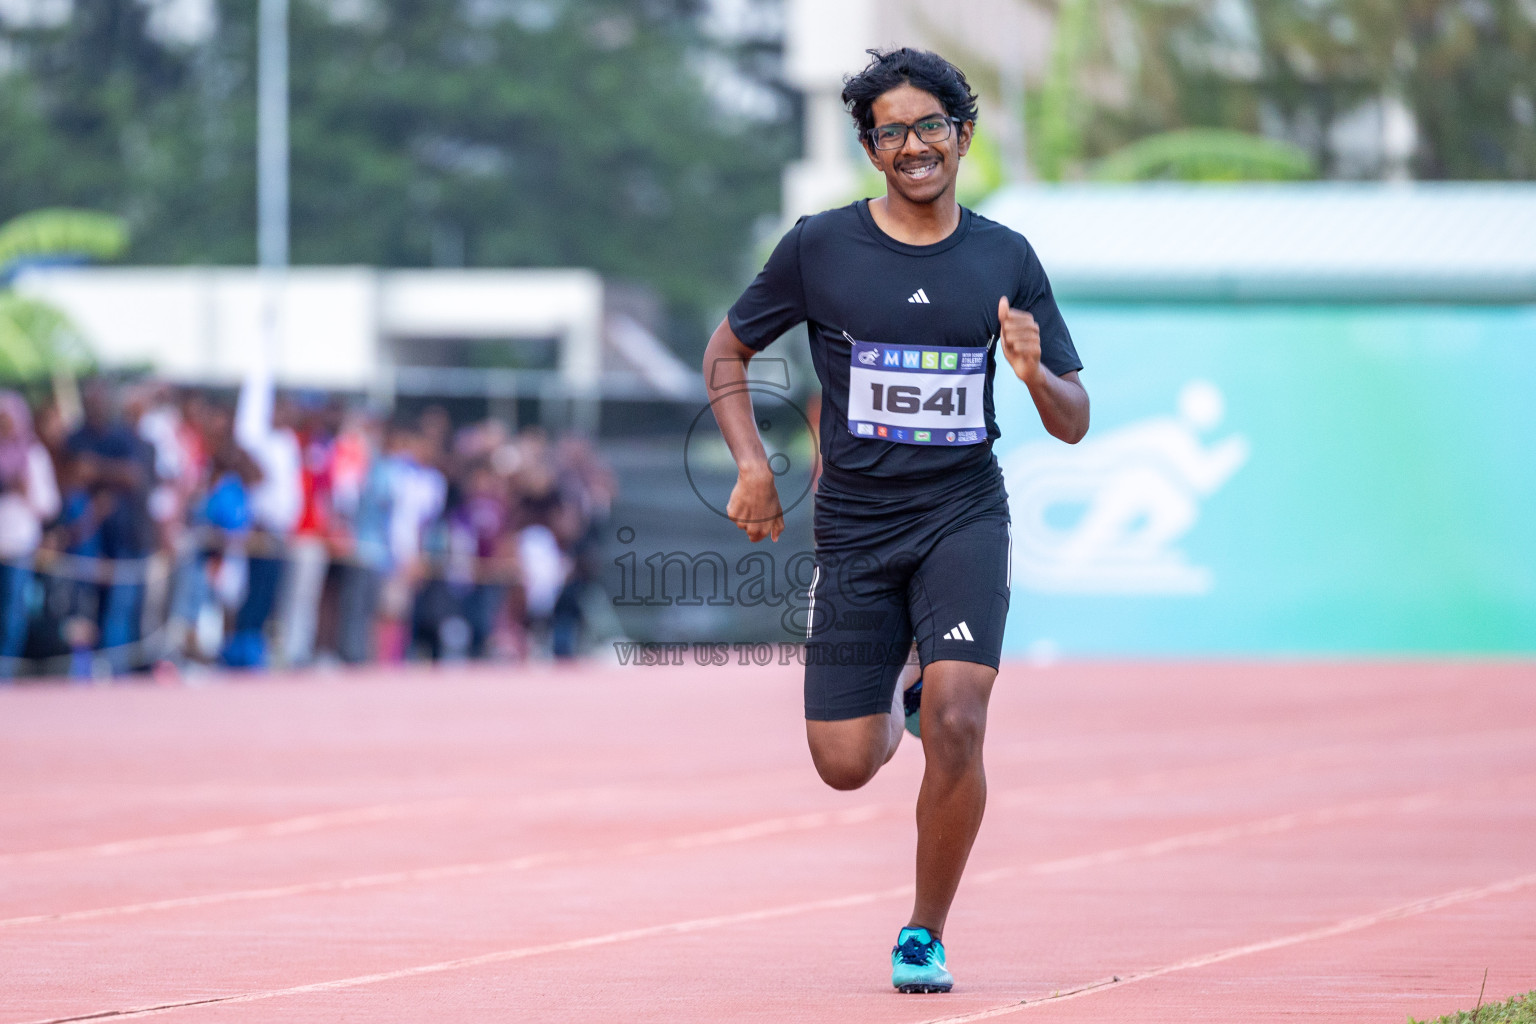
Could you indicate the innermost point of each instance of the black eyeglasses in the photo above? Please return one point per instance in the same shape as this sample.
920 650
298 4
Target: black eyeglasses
929 130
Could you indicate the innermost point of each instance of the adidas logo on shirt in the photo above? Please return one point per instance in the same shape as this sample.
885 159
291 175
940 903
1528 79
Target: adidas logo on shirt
960 632
919 296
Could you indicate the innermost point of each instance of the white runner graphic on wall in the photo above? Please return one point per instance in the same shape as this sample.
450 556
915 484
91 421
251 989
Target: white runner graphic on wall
1106 516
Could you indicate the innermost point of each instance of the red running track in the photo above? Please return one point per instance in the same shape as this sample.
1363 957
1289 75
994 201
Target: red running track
1255 842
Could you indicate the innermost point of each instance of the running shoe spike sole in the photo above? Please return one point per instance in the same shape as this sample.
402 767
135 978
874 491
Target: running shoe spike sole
917 963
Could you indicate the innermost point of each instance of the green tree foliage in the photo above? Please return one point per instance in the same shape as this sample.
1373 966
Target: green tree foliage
1206 154
424 132
1468 73
1461 70
37 341
49 233
1058 111
1301 73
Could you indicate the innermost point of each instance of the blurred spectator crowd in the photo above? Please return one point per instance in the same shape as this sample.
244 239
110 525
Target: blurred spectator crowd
150 527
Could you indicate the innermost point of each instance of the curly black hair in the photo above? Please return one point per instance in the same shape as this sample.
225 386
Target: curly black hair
921 69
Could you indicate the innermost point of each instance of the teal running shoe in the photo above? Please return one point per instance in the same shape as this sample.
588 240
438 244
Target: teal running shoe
912 704
917 963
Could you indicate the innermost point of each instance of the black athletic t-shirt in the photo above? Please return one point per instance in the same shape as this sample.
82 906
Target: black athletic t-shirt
910 329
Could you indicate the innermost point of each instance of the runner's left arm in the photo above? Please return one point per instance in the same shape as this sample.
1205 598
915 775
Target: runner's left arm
1061 400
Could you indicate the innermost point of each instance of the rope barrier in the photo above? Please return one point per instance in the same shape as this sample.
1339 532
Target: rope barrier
190 553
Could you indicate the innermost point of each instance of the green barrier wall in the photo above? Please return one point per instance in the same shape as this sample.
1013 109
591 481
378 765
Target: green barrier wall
1281 480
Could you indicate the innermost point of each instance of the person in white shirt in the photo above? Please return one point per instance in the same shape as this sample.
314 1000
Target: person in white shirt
417 493
29 497
263 429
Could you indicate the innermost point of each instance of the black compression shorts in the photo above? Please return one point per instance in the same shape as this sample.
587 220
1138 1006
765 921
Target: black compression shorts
896 562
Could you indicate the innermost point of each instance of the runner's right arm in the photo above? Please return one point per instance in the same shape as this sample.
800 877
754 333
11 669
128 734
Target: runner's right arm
754 504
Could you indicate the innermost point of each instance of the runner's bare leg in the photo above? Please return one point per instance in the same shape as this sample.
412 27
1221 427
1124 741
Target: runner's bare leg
954 790
848 753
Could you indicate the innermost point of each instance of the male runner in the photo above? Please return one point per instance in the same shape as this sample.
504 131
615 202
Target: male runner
906 297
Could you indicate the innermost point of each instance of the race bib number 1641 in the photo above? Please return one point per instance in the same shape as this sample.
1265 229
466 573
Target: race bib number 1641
916 395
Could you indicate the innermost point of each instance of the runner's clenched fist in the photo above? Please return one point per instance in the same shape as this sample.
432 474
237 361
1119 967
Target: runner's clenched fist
754 505
1021 341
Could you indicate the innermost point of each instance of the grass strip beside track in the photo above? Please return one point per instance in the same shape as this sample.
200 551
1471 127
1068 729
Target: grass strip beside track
1517 1010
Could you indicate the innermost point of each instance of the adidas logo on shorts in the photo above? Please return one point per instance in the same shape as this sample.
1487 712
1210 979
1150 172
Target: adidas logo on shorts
960 632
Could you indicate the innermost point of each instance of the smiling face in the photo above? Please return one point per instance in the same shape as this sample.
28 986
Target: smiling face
919 172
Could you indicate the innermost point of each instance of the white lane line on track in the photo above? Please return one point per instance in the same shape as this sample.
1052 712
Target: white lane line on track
121 795
501 956
1264 826
1226 833
695 840
554 800
235 833
1165 778
302 824
1111 785
1107 786
1344 927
